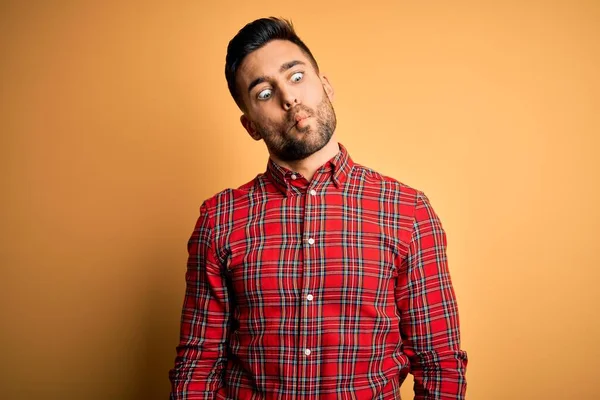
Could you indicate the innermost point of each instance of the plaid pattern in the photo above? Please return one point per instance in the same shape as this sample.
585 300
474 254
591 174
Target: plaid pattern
329 289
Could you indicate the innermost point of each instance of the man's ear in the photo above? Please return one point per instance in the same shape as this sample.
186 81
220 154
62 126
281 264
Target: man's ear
250 128
328 88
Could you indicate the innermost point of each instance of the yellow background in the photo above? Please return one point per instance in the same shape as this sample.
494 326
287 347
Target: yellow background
116 123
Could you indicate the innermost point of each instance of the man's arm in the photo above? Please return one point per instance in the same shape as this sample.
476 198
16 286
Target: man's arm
201 353
428 311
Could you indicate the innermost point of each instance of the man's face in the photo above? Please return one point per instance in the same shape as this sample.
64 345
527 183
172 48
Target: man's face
288 104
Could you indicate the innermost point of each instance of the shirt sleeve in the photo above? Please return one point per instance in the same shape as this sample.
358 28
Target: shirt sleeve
429 316
201 354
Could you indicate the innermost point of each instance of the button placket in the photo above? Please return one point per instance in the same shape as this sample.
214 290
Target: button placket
310 254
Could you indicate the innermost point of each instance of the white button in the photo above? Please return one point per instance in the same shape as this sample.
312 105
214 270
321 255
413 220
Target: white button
307 352
313 192
293 176
309 297
311 241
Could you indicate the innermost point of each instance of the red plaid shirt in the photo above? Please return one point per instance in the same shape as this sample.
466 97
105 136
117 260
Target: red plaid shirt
330 289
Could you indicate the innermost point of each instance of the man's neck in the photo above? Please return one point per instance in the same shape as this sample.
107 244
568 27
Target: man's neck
308 166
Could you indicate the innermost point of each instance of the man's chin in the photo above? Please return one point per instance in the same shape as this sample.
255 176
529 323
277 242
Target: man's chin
297 151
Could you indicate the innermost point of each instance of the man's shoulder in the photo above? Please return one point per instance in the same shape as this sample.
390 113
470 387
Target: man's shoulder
230 196
385 183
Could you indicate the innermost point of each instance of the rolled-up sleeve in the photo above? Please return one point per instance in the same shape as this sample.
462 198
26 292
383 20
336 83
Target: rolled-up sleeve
201 353
428 310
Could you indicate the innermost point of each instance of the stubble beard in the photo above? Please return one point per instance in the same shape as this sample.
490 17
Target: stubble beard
287 145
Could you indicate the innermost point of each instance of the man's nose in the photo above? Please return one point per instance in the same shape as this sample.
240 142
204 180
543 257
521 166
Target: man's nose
289 99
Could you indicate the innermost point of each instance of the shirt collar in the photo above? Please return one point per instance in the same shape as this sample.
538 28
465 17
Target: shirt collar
338 169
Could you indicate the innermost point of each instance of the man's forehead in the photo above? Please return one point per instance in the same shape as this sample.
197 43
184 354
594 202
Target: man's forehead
268 59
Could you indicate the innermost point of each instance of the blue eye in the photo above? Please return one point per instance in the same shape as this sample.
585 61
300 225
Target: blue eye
265 94
297 77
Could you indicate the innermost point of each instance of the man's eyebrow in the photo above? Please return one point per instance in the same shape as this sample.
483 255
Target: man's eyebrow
255 82
290 64
283 68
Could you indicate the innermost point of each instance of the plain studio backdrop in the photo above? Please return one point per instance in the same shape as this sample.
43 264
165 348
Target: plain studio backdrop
116 124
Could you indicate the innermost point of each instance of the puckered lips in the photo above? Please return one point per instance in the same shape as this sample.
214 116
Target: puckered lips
300 119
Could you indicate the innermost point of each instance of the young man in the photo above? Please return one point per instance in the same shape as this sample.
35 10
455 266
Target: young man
319 279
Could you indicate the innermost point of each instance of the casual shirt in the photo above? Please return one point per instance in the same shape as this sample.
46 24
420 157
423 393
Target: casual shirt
333 288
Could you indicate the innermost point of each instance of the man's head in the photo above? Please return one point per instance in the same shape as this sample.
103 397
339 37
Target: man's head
275 80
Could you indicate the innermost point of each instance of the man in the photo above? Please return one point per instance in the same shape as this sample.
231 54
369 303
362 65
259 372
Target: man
319 279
